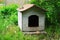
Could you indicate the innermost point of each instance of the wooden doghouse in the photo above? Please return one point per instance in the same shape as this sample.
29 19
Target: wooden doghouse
31 18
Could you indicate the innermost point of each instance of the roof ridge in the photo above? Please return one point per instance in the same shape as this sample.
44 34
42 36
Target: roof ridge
27 6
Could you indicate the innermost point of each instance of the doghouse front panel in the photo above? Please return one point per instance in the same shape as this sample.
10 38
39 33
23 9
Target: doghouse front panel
33 21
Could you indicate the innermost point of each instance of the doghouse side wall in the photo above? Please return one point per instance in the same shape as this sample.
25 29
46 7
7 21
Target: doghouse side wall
20 20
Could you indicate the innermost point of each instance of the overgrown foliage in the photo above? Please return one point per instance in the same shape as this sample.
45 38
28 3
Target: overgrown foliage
53 10
8 25
8 20
8 15
52 15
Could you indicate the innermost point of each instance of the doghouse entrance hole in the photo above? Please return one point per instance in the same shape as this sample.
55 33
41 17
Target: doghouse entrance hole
33 21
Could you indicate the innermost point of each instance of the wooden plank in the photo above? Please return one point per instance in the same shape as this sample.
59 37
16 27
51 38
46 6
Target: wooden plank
37 32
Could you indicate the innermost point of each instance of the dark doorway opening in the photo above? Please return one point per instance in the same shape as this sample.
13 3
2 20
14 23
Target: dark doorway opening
33 21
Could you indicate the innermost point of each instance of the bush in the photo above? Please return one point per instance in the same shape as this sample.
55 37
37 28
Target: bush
9 13
52 7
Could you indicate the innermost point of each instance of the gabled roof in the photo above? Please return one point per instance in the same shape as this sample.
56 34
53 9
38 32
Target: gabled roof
27 6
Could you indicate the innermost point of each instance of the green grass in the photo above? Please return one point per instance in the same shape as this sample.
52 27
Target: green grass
12 32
